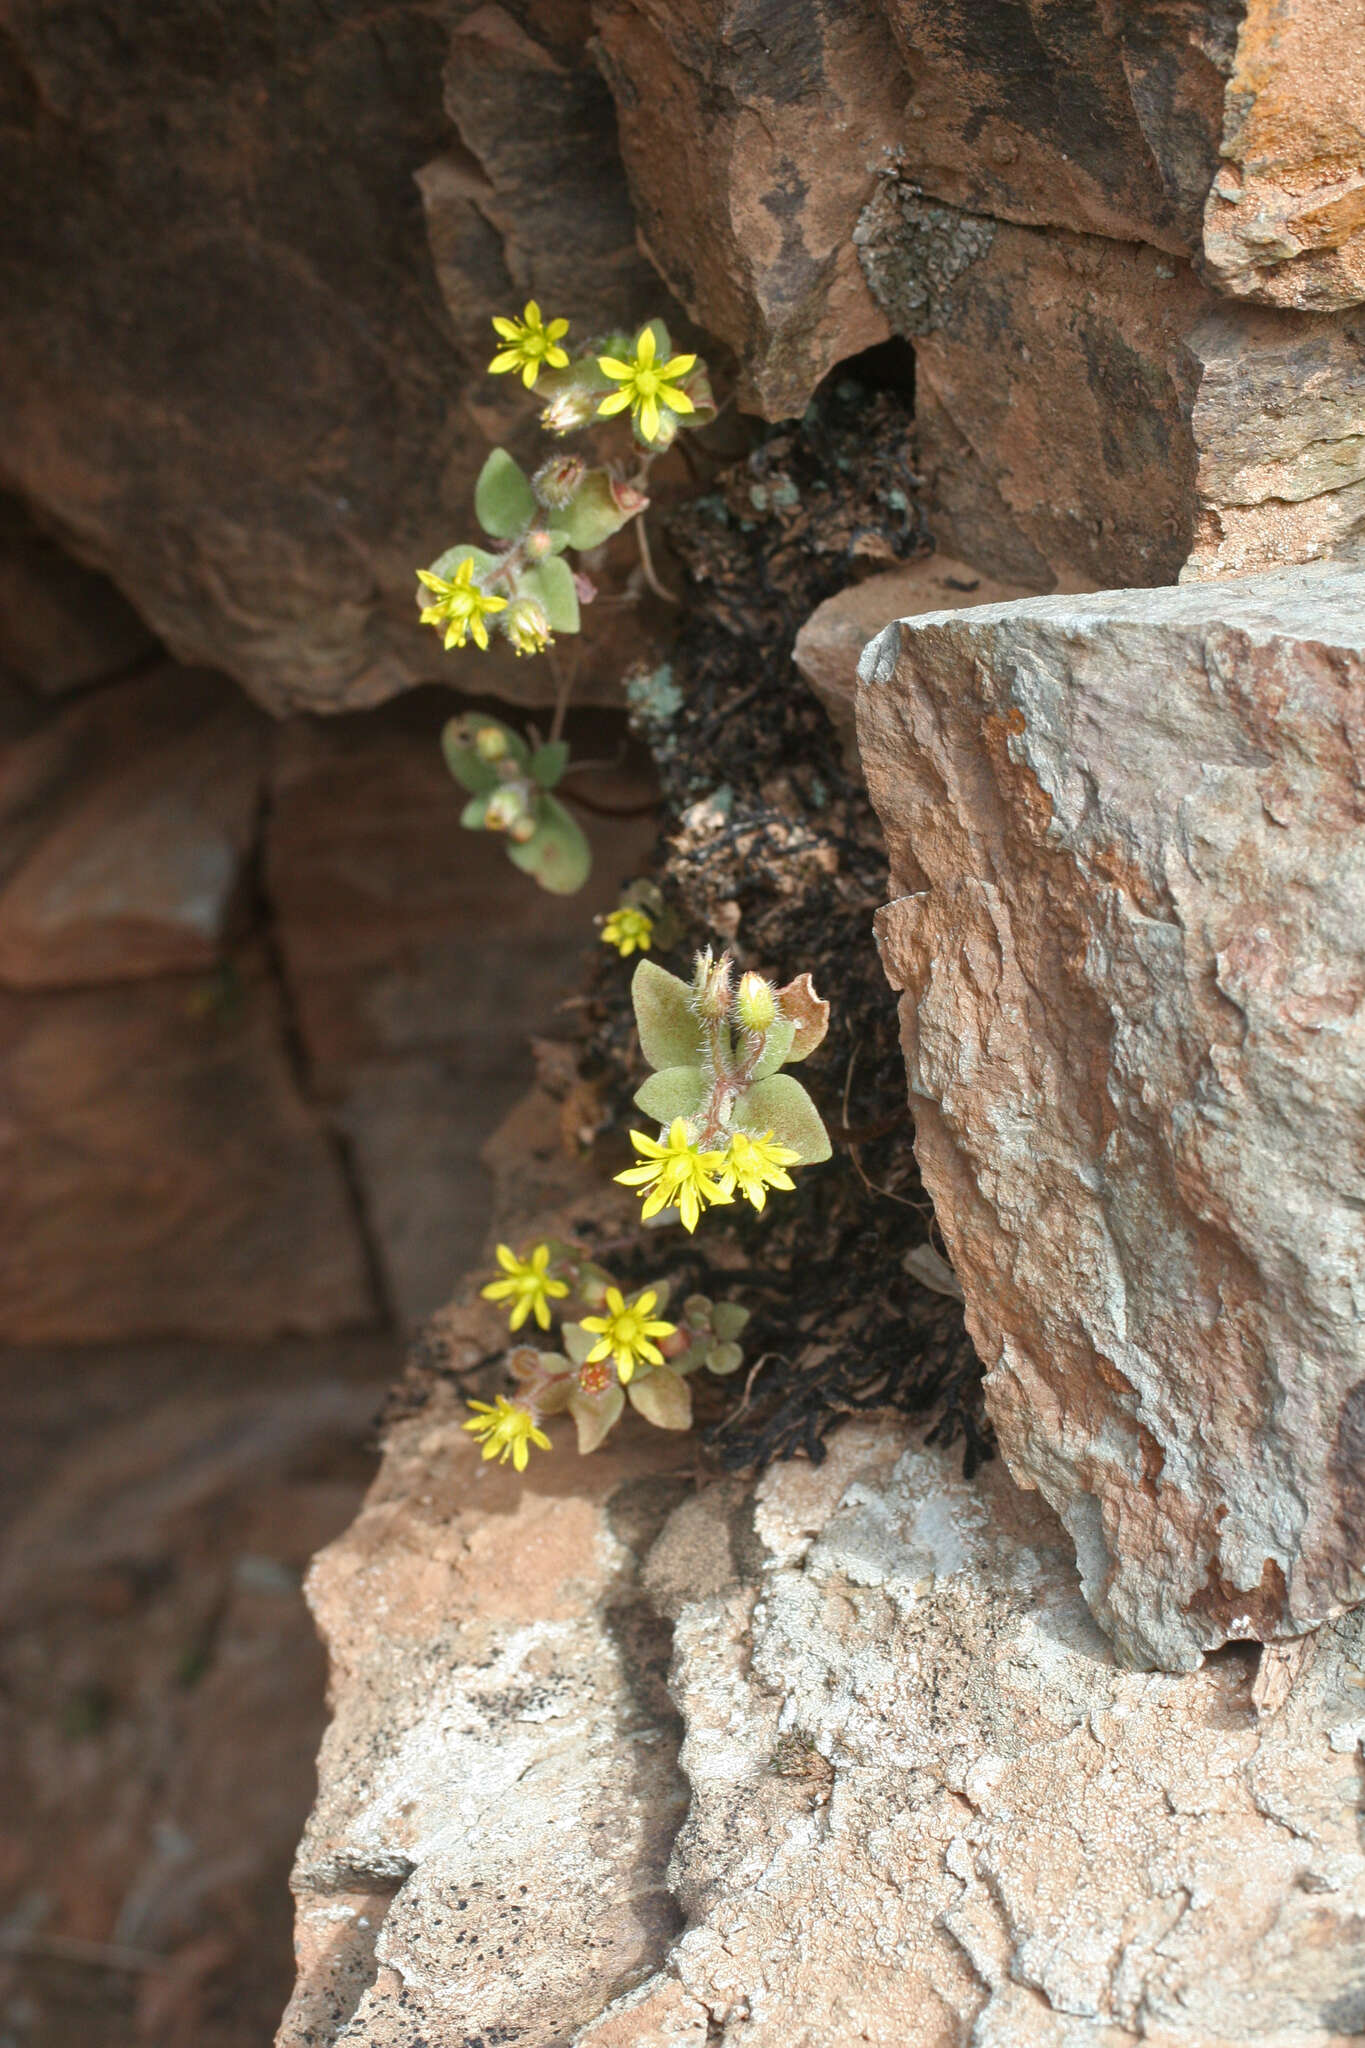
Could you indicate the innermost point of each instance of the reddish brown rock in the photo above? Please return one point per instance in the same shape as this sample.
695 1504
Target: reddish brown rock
1128 849
61 625
125 826
159 1172
830 644
1285 220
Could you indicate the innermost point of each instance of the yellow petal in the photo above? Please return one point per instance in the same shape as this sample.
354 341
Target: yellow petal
479 630
637 1176
557 358
507 1258
615 401
675 400
616 1301
645 348
542 1312
520 1313
649 418
677 366
531 316
520 1453
660 1198
530 372
601 1349
505 327
555 329
507 359
625 1369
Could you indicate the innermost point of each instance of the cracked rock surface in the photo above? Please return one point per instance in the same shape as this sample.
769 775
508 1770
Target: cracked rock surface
927 1806
1128 866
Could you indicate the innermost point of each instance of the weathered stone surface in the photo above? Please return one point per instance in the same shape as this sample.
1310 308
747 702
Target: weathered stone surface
61 625
125 826
499 1785
1126 839
160 1174
928 1809
227 370
830 644
1088 414
1285 220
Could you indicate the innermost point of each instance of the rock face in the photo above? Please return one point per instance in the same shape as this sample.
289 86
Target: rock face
926 1806
1126 840
1285 220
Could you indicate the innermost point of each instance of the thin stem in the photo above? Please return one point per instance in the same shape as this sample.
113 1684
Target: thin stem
565 674
647 565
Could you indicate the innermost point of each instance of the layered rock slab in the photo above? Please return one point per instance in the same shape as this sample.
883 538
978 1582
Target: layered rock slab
1127 833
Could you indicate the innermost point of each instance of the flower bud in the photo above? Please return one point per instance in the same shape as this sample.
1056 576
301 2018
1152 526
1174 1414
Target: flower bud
711 986
505 809
490 743
522 829
537 544
568 411
755 1003
555 482
526 625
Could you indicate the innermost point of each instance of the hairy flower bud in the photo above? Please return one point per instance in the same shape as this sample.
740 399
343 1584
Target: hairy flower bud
568 411
755 1003
505 810
711 986
526 625
555 482
537 544
490 743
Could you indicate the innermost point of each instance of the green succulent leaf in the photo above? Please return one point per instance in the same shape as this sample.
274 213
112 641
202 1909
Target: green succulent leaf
503 500
776 1049
549 762
595 1416
552 582
592 515
724 1358
475 812
728 1319
662 1398
677 1091
463 758
578 1342
670 1035
445 565
781 1105
557 854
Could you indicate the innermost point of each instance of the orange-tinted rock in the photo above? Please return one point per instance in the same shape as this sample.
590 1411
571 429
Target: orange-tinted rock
160 1173
125 827
1128 857
1285 221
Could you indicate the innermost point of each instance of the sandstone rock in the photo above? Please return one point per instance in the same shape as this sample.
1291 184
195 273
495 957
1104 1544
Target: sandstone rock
1125 836
1089 415
161 1175
228 374
1285 220
125 826
61 625
499 1784
829 645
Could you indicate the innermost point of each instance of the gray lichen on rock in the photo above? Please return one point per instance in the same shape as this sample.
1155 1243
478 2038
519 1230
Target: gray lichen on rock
913 250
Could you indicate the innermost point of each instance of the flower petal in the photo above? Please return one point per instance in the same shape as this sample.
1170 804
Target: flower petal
506 359
508 329
612 366
677 366
649 418
555 329
615 401
645 349
532 314
674 399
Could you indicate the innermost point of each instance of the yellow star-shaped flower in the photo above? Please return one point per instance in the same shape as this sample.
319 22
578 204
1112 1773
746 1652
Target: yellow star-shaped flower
754 1165
646 384
529 344
676 1174
461 605
506 1428
626 1332
627 928
529 1286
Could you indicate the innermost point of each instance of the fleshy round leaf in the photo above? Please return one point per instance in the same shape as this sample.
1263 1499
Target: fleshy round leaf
557 854
445 565
677 1091
577 1341
595 1416
808 1012
475 812
724 1358
662 1398
592 515
553 1396
503 500
776 1048
549 762
552 582
670 1036
728 1319
781 1105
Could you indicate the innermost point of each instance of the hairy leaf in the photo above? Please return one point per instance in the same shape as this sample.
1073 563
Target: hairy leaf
578 1342
549 762
445 565
595 1415
475 812
728 1319
551 581
503 500
676 1091
558 854
662 1398
781 1105
670 1036
592 515
724 1358
777 1048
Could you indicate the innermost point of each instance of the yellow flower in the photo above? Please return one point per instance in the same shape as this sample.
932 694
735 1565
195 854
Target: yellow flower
645 384
628 928
461 606
754 1165
676 1174
529 344
507 1428
626 1331
528 1286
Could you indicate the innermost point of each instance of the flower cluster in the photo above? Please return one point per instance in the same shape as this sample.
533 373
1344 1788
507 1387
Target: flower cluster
731 1123
617 1348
